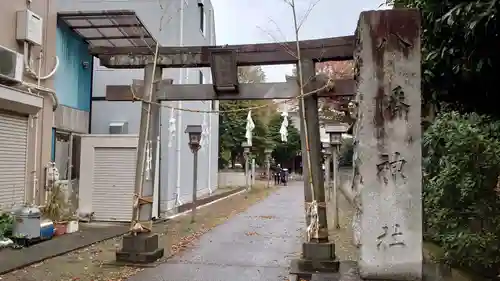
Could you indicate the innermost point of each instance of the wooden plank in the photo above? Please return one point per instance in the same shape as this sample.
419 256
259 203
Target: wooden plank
146 200
328 49
253 91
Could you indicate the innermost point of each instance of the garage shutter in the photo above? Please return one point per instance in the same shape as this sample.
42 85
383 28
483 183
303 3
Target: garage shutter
113 183
13 145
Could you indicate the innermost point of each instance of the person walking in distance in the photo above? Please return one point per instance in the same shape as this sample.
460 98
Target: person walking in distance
276 175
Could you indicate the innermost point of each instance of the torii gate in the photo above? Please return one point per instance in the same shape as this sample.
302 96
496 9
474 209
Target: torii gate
386 49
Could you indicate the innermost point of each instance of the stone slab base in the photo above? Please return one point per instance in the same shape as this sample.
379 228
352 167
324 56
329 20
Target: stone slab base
141 248
306 266
316 257
318 251
144 257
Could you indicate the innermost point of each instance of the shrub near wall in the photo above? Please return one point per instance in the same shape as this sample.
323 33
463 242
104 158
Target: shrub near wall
462 189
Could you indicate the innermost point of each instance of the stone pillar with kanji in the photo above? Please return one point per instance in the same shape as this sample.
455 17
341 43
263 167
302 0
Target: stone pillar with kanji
387 143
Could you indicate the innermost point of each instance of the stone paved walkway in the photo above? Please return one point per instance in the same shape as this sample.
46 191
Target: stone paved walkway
254 245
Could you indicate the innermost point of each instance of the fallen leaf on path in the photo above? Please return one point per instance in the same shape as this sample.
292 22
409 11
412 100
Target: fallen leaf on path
267 217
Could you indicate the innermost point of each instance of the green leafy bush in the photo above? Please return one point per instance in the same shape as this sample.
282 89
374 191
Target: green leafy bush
462 189
6 224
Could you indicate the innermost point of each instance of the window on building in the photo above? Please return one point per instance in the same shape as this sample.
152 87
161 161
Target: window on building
203 18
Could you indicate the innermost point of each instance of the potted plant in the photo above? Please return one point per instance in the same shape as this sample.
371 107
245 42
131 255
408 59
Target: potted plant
6 223
54 209
72 223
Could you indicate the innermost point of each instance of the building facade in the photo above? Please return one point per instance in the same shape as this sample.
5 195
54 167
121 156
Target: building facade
26 102
73 85
172 23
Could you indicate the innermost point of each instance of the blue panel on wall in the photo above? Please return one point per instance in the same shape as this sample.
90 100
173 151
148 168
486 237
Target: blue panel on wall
73 81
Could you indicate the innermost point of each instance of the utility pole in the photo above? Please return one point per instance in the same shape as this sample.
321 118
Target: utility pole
141 246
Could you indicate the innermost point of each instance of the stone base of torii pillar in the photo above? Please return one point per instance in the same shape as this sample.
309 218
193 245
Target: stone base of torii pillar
140 248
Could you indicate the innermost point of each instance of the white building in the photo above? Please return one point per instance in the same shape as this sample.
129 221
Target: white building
172 23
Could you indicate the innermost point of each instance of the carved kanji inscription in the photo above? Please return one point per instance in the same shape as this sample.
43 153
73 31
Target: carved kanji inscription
391 168
386 241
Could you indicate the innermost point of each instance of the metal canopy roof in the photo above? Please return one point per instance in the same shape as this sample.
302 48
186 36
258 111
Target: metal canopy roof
112 28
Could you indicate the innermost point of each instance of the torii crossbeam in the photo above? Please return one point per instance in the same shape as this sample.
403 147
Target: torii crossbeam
318 50
224 62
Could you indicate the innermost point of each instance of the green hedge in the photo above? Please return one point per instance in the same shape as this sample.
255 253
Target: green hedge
462 190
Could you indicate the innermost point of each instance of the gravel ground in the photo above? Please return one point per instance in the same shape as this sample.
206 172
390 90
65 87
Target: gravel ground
343 236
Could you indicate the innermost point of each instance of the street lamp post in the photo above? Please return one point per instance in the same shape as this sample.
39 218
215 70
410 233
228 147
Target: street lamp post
194 132
268 152
328 159
335 132
246 155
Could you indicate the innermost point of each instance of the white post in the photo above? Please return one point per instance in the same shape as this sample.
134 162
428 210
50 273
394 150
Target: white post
209 147
156 183
388 136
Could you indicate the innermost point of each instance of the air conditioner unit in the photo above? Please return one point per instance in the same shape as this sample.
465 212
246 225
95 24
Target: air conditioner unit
116 128
11 66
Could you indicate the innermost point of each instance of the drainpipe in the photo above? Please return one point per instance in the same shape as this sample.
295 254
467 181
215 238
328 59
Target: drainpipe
179 112
210 149
34 124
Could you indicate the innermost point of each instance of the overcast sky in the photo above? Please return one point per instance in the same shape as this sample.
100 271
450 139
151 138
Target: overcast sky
261 21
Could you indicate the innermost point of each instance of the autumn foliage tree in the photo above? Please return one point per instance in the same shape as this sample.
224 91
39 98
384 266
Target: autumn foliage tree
336 69
333 108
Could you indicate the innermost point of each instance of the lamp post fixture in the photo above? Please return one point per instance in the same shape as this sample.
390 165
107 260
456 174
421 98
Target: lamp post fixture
335 132
246 155
194 132
328 159
268 152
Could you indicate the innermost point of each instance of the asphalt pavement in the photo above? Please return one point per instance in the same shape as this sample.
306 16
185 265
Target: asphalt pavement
254 245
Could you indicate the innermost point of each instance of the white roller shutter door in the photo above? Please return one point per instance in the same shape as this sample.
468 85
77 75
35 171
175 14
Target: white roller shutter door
113 183
13 158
